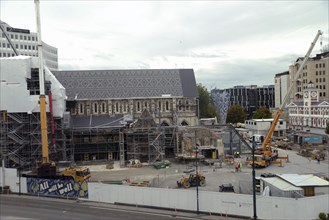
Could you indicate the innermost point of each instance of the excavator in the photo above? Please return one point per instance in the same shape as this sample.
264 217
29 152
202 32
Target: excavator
266 155
46 168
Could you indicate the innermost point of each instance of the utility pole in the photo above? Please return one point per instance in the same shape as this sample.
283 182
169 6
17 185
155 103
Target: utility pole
254 180
197 175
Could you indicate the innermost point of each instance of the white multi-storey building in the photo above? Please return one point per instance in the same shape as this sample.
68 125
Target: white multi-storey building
282 82
25 43
311 113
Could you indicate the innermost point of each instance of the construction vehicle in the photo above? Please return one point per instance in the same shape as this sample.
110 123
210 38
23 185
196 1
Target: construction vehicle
266 155
192 180
45 167
226 188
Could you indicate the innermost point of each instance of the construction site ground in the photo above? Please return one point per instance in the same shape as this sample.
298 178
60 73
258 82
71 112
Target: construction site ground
215 176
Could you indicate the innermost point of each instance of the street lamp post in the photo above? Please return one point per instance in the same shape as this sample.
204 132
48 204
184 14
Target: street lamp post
196 172
254 180
197 179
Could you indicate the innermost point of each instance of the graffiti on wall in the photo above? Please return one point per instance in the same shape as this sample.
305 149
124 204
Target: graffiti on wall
57 187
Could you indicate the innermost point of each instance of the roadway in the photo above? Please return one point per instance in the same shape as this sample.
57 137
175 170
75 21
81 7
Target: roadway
14 207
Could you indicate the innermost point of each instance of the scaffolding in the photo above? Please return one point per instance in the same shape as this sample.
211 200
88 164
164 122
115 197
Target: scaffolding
95 144
151 144
21 140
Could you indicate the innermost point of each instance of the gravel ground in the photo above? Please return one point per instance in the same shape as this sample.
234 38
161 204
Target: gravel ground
215 176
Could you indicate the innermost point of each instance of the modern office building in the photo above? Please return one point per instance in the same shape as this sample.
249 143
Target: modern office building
316 71
249 97
25 43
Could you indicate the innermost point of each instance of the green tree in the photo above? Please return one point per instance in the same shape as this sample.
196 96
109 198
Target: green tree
236 114
207 109
262 113
327 128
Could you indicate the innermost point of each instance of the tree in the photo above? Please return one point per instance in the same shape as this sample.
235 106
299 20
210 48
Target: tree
207 109
262 113
327 128
236 114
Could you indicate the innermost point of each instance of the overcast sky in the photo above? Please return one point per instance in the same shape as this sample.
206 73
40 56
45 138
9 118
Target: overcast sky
227 43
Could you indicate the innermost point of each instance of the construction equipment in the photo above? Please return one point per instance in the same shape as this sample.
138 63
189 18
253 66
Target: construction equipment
265 155
226 188
78 174
46 168
192 180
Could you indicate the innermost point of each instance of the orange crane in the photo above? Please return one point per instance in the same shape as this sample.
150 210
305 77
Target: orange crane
265 156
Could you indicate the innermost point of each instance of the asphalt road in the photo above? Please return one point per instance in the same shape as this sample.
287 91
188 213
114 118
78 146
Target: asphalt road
14 207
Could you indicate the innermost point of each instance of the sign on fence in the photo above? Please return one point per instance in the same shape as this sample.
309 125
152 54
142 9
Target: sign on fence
55 187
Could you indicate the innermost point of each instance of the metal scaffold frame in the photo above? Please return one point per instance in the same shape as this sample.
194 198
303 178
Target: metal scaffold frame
95 144
20 140
151 144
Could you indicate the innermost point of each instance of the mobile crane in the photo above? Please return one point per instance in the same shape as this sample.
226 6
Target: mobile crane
266 155
47 168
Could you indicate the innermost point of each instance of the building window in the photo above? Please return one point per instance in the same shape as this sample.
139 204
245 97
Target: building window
116 107
159 105
167 105
103 107
316 65
12 36
324 94
16 37
33 47
187 105
316 73
323 65
81 108
16 46
320 94
24 37
29 47
138 106
95 108
20 37
8 45
145 104
29 38
25 47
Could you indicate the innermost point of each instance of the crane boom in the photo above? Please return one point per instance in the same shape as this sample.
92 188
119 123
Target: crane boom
42 98
268 137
